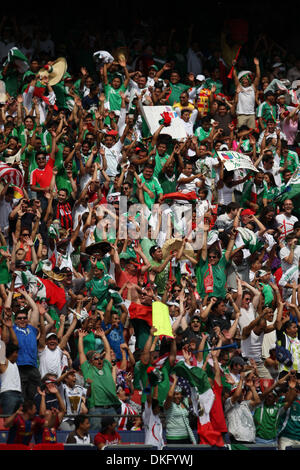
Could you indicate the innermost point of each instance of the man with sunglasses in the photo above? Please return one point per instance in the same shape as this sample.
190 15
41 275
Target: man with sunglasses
103 400
26 331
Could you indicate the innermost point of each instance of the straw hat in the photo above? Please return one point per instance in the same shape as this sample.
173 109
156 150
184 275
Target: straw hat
121 53
55 276
174 244
55 71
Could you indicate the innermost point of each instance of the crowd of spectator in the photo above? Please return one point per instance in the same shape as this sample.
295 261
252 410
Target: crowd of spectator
80 271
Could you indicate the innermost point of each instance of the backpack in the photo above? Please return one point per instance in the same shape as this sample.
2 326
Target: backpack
283 355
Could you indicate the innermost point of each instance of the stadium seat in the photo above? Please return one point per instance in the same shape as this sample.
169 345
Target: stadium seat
130 447
87 447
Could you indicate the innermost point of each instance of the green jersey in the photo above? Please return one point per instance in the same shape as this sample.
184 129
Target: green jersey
99 288
159 163
265 419
113 96
103 387
289 422
155 188
219 277
201 134
177 89
161 278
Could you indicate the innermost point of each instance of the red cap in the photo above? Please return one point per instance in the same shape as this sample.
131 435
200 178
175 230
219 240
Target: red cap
247 212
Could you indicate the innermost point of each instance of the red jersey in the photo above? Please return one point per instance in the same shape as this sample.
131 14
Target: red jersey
42 177
21 431
107 439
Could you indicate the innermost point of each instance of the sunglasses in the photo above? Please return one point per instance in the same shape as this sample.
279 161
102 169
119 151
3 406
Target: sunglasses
98 358
195 321
21 318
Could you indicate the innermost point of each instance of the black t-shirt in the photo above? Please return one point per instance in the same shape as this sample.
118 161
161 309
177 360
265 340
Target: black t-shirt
223 322
223 122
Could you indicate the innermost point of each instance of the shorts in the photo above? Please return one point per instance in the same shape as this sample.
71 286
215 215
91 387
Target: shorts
246 120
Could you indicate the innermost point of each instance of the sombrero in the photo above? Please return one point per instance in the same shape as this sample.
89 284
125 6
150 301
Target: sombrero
55 71
121 53
54 275
100 248
174 244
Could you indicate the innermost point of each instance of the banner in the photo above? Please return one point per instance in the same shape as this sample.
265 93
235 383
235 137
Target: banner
235 160
161 320
152 116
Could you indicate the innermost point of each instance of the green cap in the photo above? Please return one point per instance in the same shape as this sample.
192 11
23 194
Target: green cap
101 265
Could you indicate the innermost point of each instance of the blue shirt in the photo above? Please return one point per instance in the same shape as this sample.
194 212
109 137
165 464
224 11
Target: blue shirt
27 338
115 338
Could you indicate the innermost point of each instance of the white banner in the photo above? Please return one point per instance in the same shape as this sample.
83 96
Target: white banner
235 160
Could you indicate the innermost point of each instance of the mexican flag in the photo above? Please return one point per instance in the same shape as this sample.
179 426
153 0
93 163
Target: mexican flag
43 289
18 58
203 398
141 312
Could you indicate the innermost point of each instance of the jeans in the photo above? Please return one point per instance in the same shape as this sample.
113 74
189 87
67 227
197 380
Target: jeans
30 380
10 401
259 440
100 411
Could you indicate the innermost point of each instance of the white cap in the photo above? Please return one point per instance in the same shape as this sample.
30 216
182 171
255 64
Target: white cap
200 78
224 147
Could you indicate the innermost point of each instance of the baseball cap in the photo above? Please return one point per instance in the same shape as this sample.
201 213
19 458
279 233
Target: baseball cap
247 212
200 78
51 334
261 273
195 316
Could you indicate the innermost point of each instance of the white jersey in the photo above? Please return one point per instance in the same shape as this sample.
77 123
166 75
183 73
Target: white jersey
285 224
73 398
153 428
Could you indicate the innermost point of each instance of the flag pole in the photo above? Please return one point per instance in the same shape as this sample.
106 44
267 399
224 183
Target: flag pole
236 57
